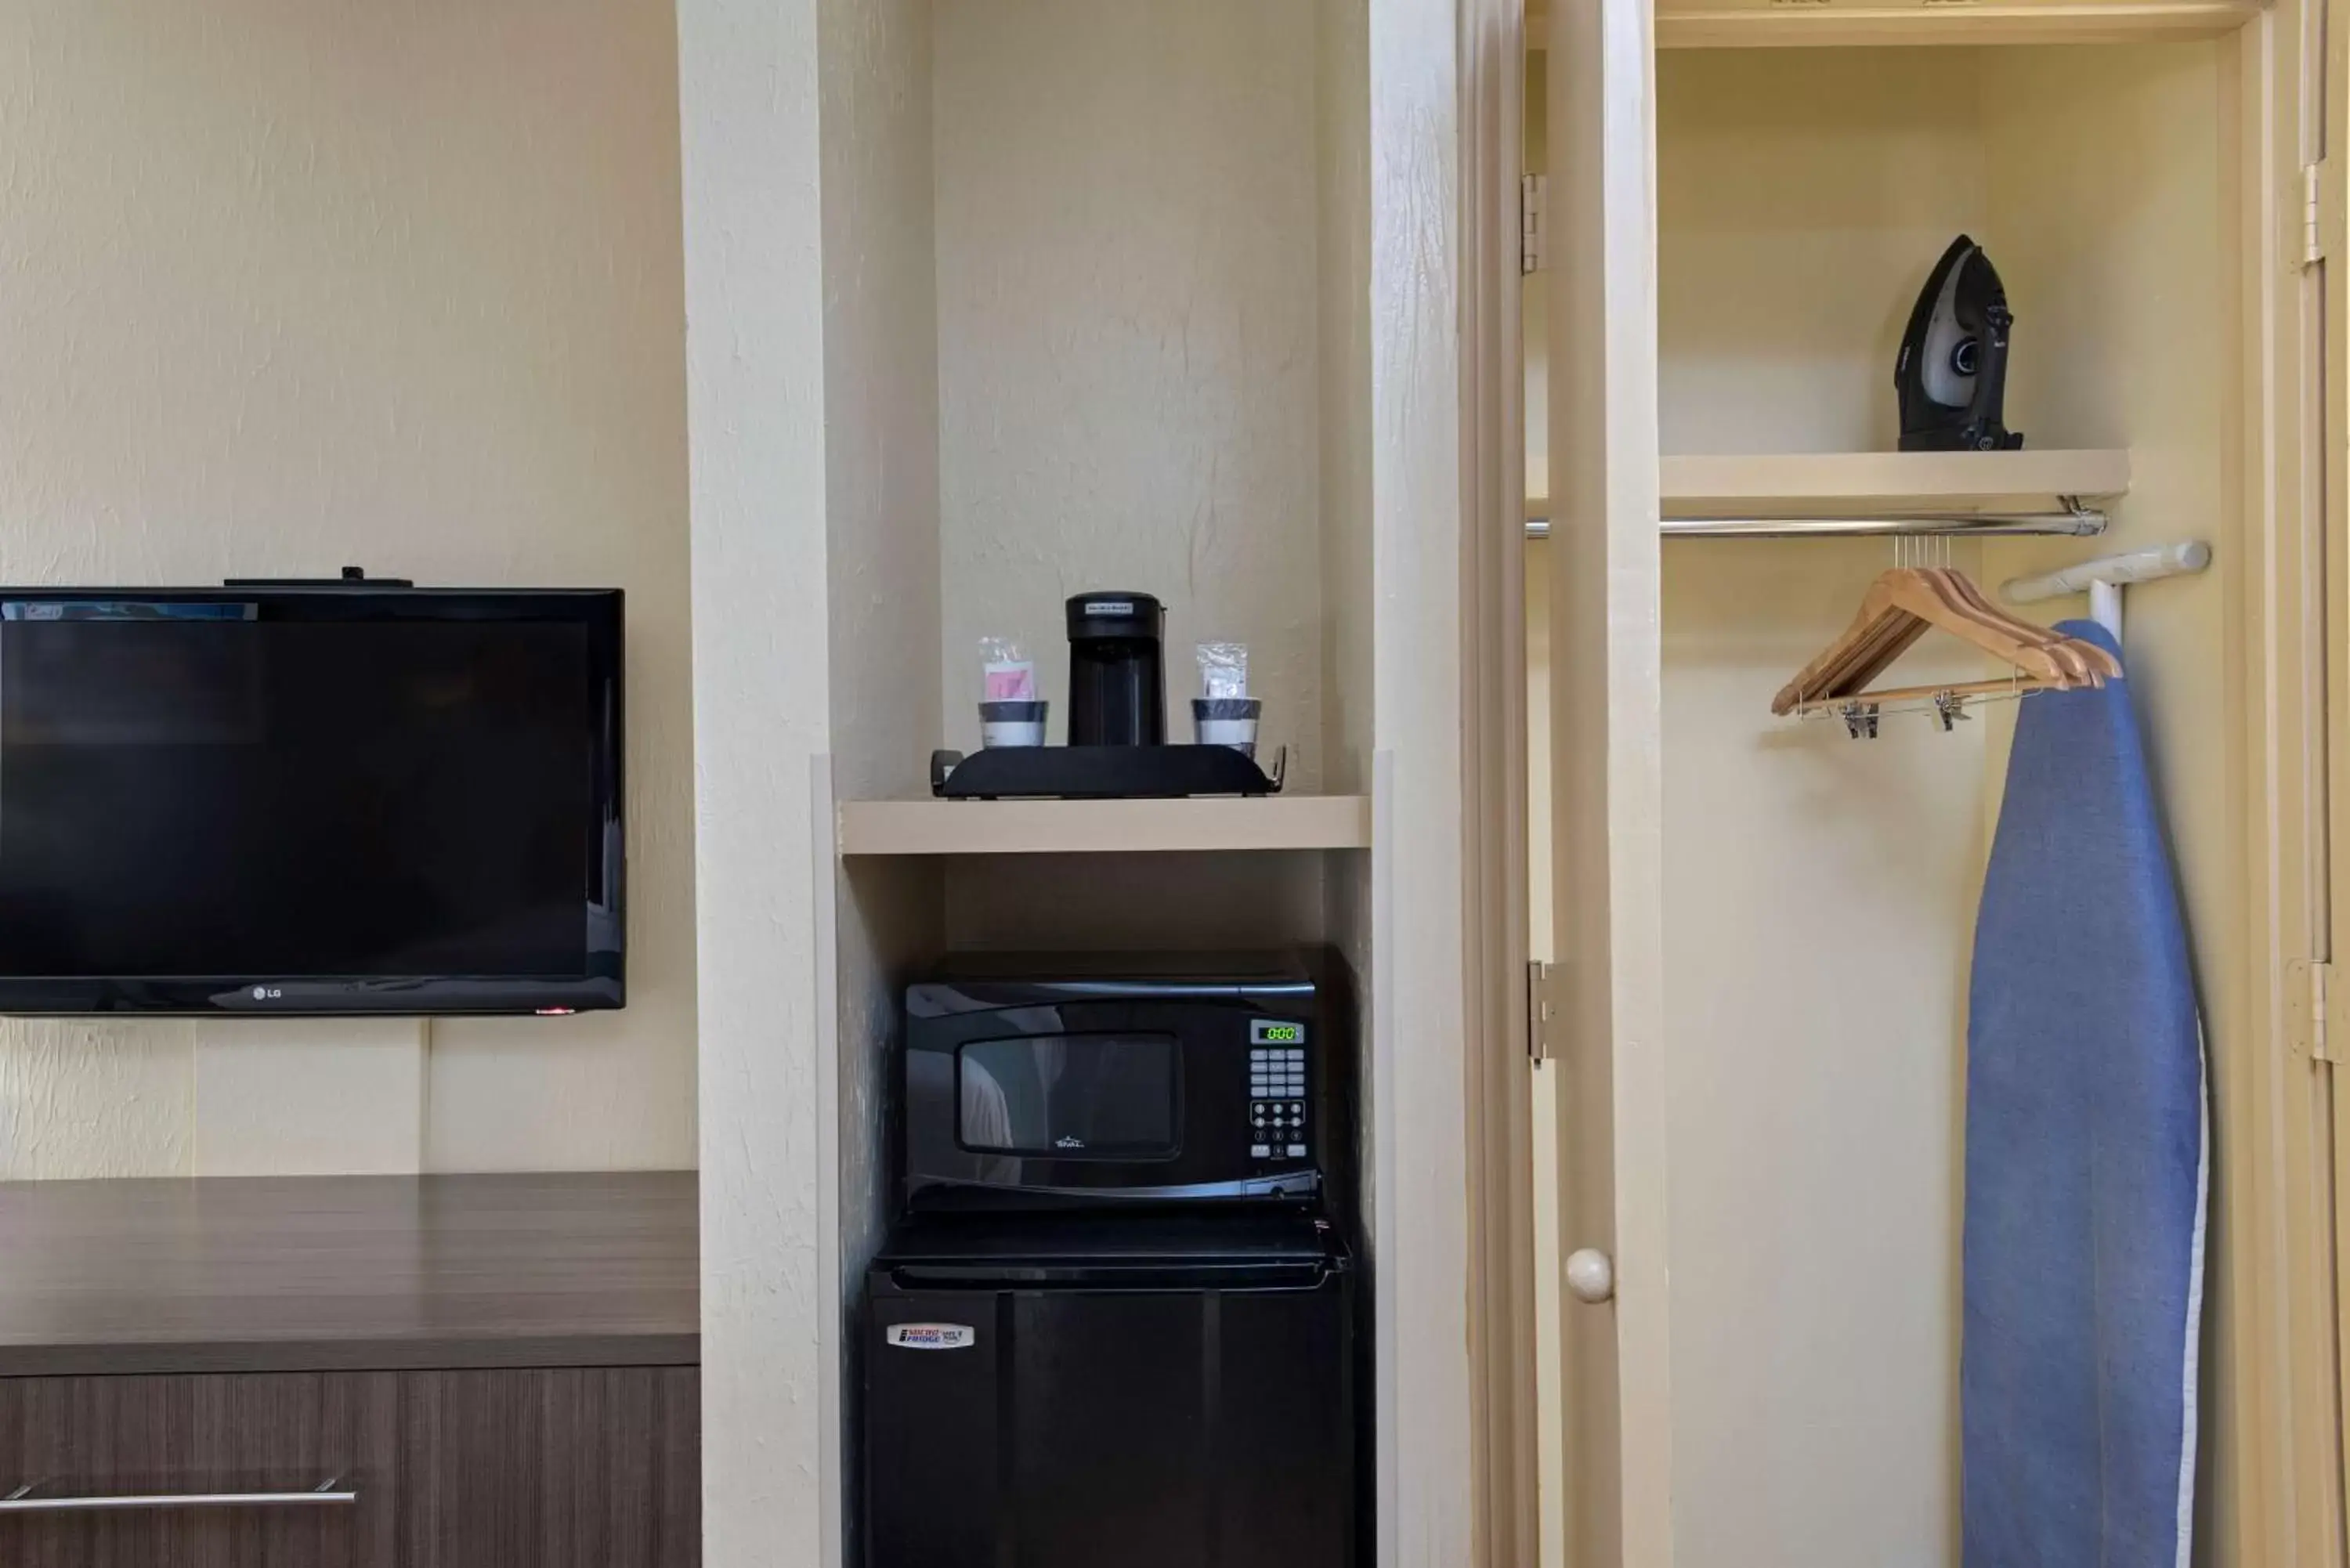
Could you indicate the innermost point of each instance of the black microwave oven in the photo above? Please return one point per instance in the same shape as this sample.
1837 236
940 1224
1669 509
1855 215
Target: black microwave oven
1045 1080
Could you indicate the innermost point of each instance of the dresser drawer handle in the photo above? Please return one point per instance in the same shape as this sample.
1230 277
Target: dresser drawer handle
331 1492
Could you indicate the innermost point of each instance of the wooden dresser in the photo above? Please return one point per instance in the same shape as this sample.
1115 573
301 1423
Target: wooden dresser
363 1372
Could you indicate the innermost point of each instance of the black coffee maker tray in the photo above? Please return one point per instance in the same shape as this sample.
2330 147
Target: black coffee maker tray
1101 772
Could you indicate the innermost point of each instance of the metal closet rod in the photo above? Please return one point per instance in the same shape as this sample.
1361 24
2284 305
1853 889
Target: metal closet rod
2078 522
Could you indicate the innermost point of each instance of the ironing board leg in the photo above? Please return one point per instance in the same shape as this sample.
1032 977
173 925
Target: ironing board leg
2106 607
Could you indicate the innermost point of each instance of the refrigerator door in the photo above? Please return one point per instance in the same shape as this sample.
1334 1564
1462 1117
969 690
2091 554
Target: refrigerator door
1172 1421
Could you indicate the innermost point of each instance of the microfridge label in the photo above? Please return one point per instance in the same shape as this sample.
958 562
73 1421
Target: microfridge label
934 1335
1109 607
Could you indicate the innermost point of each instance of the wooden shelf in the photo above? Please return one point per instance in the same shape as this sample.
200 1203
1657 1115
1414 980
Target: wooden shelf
1720 27
1094 826
1861 484
1779 482
1818 23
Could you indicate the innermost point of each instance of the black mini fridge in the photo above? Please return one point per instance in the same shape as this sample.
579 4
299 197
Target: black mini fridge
1081 1389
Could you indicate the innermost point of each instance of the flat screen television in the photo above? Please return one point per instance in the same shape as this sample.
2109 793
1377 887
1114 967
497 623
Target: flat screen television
310 799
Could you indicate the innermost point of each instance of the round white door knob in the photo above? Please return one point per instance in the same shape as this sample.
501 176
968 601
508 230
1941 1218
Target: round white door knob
1590 1274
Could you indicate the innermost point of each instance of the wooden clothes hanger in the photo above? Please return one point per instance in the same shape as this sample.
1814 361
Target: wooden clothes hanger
1901 606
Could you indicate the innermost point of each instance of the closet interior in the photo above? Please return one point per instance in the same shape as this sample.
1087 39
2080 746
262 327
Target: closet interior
1819 891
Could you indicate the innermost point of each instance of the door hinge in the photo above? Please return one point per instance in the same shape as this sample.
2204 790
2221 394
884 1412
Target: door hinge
1541 1009
2321 210
2309 1008
1533 222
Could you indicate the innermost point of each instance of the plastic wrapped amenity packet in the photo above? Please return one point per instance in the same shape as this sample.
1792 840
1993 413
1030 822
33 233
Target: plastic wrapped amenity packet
1005 672
1223 671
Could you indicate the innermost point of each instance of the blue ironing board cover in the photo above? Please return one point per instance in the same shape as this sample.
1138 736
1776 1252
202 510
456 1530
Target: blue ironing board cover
2086 1171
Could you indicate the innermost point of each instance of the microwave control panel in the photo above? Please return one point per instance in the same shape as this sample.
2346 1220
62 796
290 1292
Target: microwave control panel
1277 1089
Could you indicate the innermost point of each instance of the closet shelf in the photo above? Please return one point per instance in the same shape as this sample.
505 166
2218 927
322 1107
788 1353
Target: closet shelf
1888 481
1775 24
1083 827
1780 493
1743 24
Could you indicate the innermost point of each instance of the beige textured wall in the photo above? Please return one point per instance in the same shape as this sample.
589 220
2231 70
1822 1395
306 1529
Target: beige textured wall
1343 264
754 234
1801 197
1420 884
1342 111
1126 337
882 496
1819 892
2105 244
291 284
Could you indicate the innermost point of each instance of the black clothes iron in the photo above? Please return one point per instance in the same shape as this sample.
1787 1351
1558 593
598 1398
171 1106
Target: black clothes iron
1953 372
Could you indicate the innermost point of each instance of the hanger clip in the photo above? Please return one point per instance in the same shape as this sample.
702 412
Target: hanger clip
1949 708
1859 720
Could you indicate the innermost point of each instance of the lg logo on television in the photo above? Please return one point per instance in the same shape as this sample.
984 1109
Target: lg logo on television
268 992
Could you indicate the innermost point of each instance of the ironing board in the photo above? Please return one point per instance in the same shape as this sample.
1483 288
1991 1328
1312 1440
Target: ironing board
2086 1151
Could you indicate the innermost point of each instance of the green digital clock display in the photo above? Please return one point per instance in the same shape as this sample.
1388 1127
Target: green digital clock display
1265 1032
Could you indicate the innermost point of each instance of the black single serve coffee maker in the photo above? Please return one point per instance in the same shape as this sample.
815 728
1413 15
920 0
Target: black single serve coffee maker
1117 686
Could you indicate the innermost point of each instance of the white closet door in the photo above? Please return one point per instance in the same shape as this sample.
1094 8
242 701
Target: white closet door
1606 747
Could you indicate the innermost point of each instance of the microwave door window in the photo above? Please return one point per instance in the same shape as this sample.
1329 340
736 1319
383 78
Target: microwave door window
1072 1097
986 1120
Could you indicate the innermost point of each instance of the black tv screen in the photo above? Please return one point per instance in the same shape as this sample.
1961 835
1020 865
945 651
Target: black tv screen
310 800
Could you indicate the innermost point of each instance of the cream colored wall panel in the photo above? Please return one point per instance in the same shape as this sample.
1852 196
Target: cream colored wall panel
1428 1490
1122 902
94 1099
1542 913
2099 246
1534 317
2100 249
890 917
768 1125
881 397
1343 260
2139 203
341 1097
2096 248
1126 337
597 1092
882 441
1343 429
1803 198
287 287
1819 894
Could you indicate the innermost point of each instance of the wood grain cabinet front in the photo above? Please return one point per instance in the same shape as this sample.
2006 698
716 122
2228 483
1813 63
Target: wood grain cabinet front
539 1467
200 1471
581 1468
